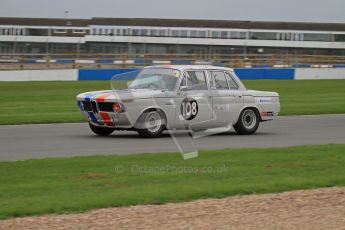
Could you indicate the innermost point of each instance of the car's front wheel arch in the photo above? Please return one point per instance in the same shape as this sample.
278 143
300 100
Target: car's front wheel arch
155 113
101 131
154 109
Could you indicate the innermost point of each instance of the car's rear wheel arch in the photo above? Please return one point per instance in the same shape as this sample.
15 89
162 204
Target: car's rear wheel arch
255 109
248 121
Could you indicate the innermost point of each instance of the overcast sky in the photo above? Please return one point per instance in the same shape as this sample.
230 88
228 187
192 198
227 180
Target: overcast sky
264 10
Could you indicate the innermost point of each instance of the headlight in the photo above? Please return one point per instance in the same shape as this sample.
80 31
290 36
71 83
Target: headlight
118 107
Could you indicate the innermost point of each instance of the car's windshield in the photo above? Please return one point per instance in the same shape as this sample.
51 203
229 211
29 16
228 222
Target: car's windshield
156 78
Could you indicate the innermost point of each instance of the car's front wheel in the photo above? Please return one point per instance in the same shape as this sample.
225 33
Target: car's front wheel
153 124
248 122
102 131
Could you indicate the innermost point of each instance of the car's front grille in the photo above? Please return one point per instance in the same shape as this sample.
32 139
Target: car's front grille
87 106
90 106
105 106
94 106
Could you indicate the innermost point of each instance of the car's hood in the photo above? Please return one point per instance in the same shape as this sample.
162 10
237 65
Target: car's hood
127 94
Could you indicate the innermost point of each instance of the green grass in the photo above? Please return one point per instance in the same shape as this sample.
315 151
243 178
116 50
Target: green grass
63 185
48 102
44 102
302 97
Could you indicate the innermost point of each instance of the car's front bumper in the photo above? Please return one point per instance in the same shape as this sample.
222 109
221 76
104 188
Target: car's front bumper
95 115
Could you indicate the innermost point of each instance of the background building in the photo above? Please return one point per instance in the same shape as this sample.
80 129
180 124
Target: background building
109 39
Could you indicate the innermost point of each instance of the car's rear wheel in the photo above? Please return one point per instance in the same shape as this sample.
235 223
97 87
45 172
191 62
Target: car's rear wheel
102 131
153 124
248 122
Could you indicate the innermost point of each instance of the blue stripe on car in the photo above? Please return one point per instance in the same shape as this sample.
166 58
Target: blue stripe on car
92 117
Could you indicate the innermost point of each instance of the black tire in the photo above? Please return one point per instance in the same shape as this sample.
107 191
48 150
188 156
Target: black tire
248 122
102 131
153 123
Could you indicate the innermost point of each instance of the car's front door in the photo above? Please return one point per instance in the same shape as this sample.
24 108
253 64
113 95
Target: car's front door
193 101
227 99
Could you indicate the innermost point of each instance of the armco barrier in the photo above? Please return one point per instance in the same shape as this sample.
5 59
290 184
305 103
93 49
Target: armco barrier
243 73
265 73
103 74
107 74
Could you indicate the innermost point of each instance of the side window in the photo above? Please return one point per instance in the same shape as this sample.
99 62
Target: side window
232 83
219 80
186 81
196 80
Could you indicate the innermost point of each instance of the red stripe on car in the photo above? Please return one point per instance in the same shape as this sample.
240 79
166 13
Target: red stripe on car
104 115
106 118
102 97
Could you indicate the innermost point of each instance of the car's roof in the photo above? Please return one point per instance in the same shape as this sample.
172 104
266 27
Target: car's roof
187 67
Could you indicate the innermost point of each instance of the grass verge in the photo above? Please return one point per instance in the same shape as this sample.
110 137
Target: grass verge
50 102
306 97
43 102
63 185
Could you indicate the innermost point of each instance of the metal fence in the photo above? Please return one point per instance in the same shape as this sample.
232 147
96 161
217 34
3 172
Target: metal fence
103 60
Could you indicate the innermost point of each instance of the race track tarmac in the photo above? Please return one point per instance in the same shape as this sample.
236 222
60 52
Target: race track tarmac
19 142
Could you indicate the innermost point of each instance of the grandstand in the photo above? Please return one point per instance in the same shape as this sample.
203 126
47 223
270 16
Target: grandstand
125 42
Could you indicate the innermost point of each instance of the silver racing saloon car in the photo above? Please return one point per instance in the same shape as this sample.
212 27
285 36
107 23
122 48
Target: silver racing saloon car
177 97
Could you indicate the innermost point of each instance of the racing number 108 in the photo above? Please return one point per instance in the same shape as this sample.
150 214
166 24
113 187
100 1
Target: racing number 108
189 109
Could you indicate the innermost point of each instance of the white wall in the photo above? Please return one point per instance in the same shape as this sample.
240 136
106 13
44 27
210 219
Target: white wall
39 75
213 41
319 73
48 39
